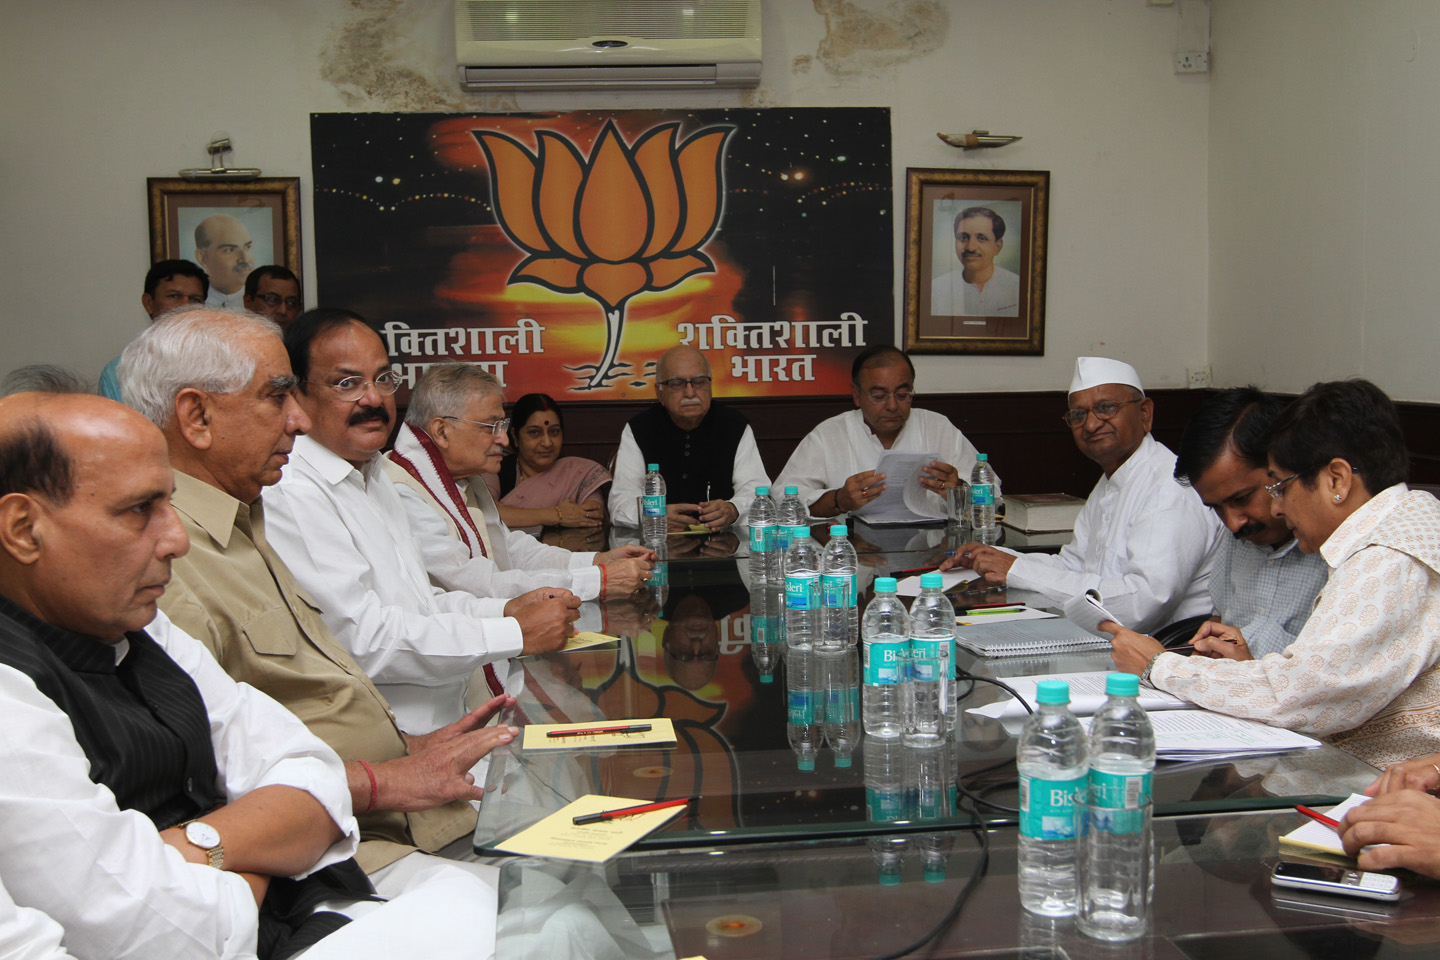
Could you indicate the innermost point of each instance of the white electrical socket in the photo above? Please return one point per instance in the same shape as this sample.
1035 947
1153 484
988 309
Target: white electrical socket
1195 61
1198 378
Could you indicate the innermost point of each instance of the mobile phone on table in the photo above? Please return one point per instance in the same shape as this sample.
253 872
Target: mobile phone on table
1323 878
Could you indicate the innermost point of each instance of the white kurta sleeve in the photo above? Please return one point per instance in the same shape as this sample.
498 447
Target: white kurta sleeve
806 469
749 473
28 934
628 482
392 643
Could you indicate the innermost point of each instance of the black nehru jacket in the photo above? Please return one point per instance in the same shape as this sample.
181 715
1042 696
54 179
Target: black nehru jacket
691 460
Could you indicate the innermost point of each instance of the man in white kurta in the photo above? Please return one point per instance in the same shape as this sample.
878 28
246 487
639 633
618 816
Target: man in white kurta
336 520
1145 543
834 466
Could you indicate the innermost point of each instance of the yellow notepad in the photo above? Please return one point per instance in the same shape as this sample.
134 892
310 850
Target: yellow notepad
1313 837
558 838
588 638
537 735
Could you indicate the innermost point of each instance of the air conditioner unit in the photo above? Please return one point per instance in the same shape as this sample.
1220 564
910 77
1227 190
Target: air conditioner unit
558 44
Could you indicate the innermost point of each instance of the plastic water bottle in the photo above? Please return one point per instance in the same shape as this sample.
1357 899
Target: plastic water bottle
763 558
935 850
803 711
792 513
652 506
932 635
885 635
1115 891
884 780
658 583
840 626
802 591
984 489
841 669
764 639
1051 759
889 856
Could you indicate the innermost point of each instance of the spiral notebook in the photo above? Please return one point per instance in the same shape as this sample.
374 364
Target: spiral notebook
1022 638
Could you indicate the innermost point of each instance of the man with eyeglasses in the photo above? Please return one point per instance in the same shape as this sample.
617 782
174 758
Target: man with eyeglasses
336 520
1142 541
834 466
706 452
273 291
455 432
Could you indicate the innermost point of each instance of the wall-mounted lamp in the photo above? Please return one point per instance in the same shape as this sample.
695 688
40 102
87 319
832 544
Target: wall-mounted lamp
217 148
975 139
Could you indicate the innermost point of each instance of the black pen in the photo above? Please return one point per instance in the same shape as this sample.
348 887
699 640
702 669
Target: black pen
632 728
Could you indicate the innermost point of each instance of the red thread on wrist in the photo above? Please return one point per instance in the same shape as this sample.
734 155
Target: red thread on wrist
603 581
374 786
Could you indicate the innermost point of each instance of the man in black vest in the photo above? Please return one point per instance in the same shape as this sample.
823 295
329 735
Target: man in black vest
706 453
153 807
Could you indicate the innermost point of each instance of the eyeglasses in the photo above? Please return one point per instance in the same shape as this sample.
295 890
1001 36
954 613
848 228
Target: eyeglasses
353 388
679 383
498 428
273 300
1104 410
1276 490
883 396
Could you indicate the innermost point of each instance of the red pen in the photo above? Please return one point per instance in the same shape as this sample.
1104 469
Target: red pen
989 606
908 573
629 728
1315 815
628 811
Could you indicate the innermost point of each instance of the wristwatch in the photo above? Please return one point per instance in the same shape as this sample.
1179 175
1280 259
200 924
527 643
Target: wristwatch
207 838
1145 676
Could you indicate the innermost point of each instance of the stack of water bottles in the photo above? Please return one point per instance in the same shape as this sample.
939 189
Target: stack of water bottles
1095 863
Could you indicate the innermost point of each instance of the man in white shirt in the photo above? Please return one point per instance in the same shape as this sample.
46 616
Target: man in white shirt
336 520
455 430
979 288
835 465
706 452
223 249
152 805
1143 542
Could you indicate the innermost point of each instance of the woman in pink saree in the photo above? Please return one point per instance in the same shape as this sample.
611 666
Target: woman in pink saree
536 487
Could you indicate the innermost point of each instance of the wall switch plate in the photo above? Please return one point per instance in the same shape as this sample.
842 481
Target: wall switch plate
1198 378
1195 61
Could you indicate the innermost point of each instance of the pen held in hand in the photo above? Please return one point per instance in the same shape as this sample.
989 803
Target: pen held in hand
1319 817
589 731
628 811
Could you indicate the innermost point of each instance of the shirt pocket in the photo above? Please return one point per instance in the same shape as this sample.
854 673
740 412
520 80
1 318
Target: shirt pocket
272 633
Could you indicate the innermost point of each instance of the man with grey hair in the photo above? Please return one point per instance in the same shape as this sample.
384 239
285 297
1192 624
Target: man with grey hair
219 387
455 429
706 452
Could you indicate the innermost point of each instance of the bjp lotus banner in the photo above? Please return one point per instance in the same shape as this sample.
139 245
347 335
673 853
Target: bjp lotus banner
565 252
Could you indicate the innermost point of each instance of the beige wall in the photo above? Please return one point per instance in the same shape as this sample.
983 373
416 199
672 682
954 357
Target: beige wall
95 97
1325 193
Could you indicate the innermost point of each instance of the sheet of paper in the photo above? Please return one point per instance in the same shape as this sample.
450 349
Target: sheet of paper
558 838
949 580
980 618
1087 612
903 500
1200 734
587 638
1313 835
536 735
1087 694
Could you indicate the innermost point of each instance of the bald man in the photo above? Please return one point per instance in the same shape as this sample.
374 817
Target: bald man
223 249
706 452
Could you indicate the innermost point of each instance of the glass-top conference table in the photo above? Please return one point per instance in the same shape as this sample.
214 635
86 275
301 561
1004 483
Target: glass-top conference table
703 654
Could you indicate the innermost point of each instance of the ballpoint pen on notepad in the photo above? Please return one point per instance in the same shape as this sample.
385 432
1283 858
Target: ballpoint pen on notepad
588 731
628 811
1318 817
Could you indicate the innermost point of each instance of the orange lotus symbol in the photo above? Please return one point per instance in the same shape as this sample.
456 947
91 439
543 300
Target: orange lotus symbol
627 220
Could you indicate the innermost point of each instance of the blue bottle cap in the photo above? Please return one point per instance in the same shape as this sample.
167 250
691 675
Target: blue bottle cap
1052 691
792 491
807 764
762 491
1122 685
767 678
652 466
800 532
982 456
934 874
885 585
928 580
889 878
837 530
842 762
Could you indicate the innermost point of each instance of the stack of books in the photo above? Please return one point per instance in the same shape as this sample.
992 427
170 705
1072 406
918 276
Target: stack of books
1040 519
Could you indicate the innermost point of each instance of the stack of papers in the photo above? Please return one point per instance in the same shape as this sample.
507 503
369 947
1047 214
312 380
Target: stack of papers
949 580
1202 735
1087 694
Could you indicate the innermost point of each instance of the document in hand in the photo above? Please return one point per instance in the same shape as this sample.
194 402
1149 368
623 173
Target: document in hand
1313 837
1086 611
904 499
1202 735
1087 694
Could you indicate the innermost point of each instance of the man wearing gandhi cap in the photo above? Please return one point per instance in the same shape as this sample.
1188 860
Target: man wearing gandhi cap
1143 542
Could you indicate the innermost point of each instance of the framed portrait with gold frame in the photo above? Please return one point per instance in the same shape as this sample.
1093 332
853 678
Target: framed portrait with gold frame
975 260
226 227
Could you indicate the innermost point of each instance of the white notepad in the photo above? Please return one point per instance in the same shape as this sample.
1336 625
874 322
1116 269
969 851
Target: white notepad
1022 638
